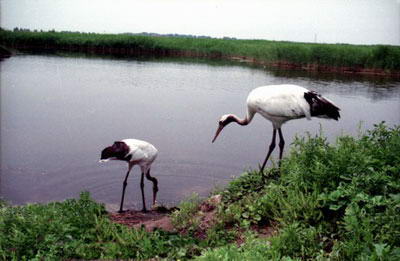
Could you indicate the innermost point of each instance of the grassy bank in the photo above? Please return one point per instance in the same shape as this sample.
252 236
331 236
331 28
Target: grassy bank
80 228
328 202
309 56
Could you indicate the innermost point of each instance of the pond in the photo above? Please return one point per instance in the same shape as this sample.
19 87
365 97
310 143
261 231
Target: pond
58 113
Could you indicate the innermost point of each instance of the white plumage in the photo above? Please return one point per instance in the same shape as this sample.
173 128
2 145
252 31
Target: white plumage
281 103
134 152
142 153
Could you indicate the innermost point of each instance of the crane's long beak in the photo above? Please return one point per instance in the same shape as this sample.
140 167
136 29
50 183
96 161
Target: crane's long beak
220 127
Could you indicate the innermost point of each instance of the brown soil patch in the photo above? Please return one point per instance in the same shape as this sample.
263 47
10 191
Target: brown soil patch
206 215
265 231
160 219
150 220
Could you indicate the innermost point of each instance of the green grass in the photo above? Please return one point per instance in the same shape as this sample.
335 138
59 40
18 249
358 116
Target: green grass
338 202
186 217
80 228
328 202
337 55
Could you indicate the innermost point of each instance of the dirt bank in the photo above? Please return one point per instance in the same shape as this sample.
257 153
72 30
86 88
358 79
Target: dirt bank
317 67
150 220
4 52
206 215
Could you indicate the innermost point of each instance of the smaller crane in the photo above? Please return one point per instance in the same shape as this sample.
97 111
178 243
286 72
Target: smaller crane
134 152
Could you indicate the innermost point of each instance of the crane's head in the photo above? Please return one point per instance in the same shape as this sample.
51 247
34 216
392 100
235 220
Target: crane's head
225 120
106 155
117 151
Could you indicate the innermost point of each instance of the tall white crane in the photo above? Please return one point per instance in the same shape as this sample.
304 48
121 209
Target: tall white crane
279 104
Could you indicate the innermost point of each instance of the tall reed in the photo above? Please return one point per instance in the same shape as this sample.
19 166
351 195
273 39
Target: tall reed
383 57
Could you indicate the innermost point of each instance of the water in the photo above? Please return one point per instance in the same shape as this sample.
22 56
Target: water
58 113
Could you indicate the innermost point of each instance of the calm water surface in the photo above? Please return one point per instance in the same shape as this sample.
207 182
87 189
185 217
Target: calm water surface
58 113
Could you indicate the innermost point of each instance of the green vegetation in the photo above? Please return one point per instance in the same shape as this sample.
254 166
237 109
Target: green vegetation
186 217
80 229
338 202
302 54
328 202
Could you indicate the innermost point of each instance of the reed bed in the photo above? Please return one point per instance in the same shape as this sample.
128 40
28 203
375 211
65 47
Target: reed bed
383 57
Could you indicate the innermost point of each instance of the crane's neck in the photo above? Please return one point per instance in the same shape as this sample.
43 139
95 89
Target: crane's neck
228 118
234 118
246 120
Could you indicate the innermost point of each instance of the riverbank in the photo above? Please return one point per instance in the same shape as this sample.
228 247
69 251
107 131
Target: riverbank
379 60
4 52
328 201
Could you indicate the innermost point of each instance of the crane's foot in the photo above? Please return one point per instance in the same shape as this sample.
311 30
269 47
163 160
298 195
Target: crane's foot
155 206
122 211
144 210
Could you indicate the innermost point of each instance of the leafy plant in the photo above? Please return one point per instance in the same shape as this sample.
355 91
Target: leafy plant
186 218
331 201
80 228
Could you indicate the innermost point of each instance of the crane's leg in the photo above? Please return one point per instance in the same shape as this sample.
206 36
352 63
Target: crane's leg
142 188
124 187
155 185
271 148
281 145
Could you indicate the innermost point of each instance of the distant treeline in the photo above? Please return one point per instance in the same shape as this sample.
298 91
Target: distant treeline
308 56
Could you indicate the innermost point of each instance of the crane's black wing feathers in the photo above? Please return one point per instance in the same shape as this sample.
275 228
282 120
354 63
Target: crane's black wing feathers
319 106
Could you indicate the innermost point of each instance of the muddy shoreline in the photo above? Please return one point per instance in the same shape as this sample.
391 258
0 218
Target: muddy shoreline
137 51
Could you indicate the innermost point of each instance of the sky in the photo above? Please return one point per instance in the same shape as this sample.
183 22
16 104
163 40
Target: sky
323 21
